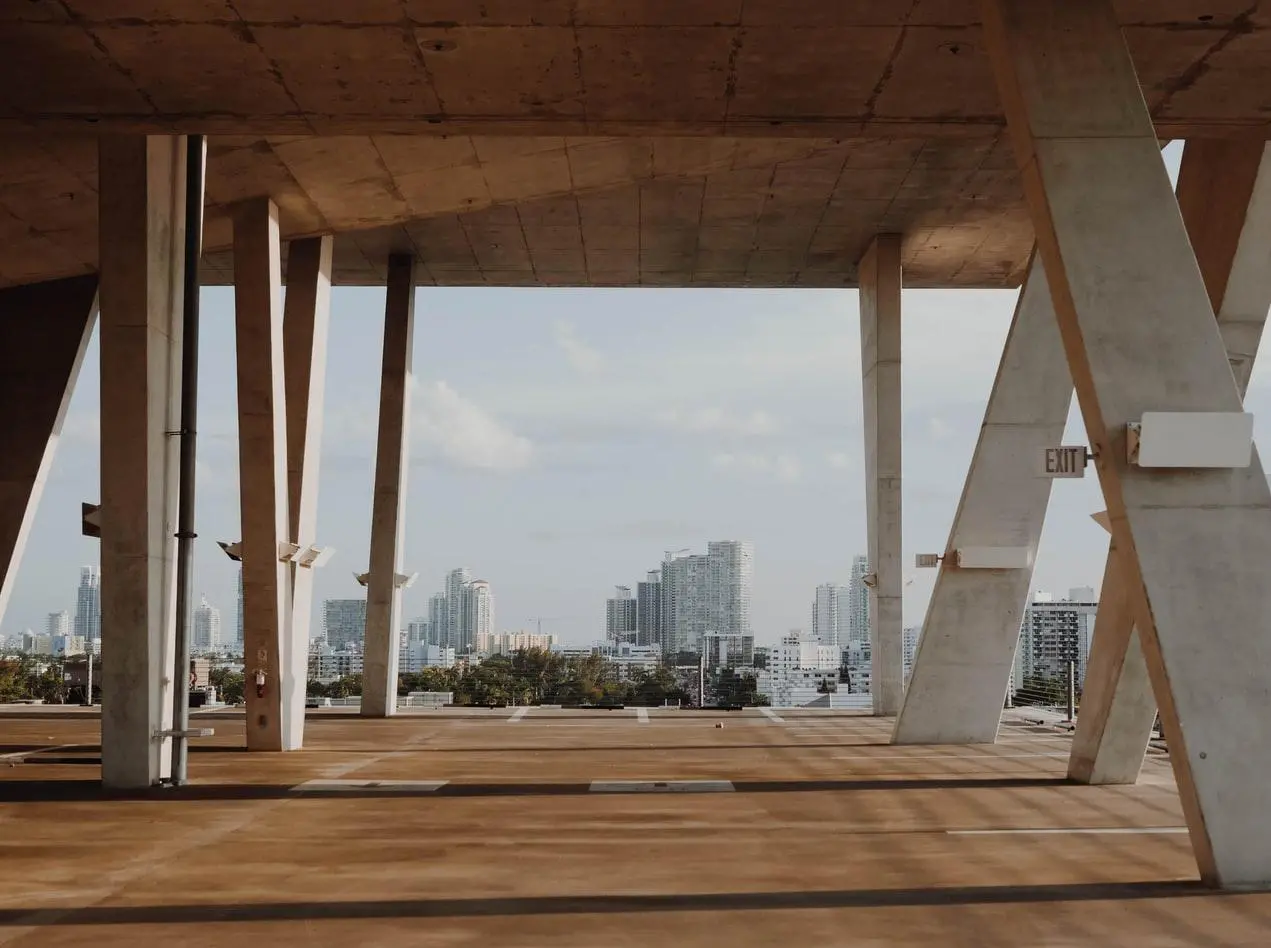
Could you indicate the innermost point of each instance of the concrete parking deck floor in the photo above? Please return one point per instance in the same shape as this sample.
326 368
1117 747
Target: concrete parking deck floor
828 836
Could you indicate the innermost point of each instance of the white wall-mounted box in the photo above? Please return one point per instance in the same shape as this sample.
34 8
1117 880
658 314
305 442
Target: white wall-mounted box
1191 439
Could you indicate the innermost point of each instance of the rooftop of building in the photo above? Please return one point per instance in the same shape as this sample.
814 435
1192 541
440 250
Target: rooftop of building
556 142
822 834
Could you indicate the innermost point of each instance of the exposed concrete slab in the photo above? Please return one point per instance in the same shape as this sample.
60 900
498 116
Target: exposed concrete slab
44 332
1140 336
388 509
880 305
272 695
1224 193
142 217
306 316
963 666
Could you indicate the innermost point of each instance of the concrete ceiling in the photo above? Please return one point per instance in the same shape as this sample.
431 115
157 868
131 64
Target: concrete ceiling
574 142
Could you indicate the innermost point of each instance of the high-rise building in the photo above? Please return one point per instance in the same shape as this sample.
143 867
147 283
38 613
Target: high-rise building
649 612
478 614
1054 633
857 603
58 625
207 627
418 631
239 632
831 611
620 616
707 593
88 605
438 624
456 580
344 622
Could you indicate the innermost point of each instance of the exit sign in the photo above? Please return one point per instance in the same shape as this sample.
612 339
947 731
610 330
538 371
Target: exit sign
1064 461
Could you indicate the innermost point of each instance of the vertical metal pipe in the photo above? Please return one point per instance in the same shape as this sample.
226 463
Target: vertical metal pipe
194 161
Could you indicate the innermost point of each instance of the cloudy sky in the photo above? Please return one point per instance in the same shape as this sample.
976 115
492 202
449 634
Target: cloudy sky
563 439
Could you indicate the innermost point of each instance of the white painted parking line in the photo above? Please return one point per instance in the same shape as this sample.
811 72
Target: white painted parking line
643 715
519 713
661 786
16 755
1091 831
771 715
943 756
385 786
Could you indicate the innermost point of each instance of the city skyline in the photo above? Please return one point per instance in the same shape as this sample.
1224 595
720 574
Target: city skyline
543 436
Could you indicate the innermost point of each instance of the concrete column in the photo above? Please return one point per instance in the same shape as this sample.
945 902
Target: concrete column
1224 193
306 315
963 666
880 289
1140 335
383 596
262 475
141 221
44 331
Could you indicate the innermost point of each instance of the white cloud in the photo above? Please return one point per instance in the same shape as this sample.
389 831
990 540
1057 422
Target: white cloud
940 429
466 434
719 421
584 359
781 467
840 461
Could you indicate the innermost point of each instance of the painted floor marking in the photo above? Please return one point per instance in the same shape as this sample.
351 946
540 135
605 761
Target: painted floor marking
643 715
661 786
519 713
771 715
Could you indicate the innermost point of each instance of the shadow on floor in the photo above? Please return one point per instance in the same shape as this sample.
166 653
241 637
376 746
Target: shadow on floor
35 791
602 904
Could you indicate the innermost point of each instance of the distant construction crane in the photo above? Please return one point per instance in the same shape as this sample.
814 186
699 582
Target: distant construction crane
541 619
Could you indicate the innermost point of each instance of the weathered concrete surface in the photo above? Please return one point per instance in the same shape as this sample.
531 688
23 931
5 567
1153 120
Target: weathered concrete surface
515 850
306 316
142 233
599 67
1140 335
44 331
960 675
388 506
810 127
1224 194
263 485
880 305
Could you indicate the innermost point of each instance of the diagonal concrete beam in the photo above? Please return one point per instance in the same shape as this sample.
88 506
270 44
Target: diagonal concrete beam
392 456
1140 336
306 315
44 332
880 300
1224 194
963 666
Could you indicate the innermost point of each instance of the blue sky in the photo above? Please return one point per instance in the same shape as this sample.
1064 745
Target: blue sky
562 439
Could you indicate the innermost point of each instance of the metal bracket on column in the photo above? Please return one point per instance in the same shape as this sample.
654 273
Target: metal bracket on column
233 550
187 733
400 580
980 557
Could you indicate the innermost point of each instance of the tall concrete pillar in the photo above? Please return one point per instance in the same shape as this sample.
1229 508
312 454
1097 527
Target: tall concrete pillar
262 475
383 594
1140 336
141 220
44 331
880 290
1224 193
958 683
306 315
